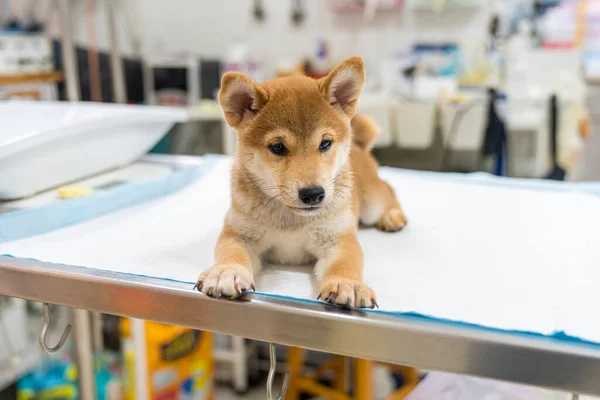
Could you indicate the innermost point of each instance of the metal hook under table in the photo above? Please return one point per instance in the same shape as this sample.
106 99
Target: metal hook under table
271 376
63 338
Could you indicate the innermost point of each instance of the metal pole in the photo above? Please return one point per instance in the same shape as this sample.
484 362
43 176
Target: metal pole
69 62
116 65
239 363
84 354
148 72
136 27
138 333
97 331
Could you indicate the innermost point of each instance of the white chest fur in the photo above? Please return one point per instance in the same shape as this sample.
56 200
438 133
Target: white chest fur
294 246
288 246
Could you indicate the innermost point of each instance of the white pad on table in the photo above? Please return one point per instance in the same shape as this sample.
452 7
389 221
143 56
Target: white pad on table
497 255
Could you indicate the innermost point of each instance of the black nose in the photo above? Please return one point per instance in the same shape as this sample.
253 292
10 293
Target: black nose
312 195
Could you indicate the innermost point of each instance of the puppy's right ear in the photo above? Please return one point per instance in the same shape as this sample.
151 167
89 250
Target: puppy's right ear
241 98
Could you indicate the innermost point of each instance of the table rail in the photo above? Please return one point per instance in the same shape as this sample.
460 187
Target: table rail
535 361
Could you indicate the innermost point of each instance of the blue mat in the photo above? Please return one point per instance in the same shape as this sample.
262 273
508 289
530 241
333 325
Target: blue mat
36 221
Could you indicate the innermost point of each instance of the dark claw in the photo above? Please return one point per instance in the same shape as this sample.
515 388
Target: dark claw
331 297
319 296
375 303
196 286
253 288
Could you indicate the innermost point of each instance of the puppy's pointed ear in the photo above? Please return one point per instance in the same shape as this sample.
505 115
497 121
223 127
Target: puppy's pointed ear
342 86
241 98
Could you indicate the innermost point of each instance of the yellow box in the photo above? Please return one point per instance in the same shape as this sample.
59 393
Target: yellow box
180 362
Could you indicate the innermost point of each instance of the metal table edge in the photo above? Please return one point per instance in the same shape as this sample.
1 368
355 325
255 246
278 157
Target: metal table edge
534 361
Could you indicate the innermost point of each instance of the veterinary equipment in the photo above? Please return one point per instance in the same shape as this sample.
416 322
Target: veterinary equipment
54 147
22 53
514 329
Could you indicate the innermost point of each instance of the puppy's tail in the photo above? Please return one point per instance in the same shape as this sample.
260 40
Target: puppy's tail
364 131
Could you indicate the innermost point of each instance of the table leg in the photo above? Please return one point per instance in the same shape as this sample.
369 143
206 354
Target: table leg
138 333
363 379
84 354
295 362
239 364
339 381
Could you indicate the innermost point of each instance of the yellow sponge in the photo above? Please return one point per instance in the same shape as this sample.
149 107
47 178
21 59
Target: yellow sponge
72 191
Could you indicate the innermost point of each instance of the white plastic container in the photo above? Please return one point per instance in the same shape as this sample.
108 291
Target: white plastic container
415 123
470 128
47 144
378 107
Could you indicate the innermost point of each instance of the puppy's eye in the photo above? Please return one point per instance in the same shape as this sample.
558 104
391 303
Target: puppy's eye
278 149
325 145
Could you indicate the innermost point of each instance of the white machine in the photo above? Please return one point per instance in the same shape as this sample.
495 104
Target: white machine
47 144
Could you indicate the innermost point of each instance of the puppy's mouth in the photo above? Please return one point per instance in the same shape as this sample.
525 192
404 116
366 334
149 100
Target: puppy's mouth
305 210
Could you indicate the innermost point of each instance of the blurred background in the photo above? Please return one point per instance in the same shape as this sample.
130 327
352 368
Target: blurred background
506 87
437 70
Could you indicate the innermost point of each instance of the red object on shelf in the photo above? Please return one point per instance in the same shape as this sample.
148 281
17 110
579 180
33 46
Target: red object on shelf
345 6
558 45
317 75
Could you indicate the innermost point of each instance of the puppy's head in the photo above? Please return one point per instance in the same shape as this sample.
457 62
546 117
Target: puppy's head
294 134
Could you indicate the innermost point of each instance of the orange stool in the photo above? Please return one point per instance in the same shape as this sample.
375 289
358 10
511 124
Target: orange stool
363 378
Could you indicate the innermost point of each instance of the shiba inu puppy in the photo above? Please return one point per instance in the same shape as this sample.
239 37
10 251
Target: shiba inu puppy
302 180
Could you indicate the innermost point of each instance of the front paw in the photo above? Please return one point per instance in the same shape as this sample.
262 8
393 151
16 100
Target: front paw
348 293
392 221
228 281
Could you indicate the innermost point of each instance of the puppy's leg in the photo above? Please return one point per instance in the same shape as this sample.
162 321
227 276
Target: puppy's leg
380 207
393 218
232 274
378 203
341 272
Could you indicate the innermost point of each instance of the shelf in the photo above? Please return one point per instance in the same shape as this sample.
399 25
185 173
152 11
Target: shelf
443 5
15 79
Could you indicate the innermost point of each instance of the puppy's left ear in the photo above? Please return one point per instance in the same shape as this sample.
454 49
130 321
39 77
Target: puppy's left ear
343 85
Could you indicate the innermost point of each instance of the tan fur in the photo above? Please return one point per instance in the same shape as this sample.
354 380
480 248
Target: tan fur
267 219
